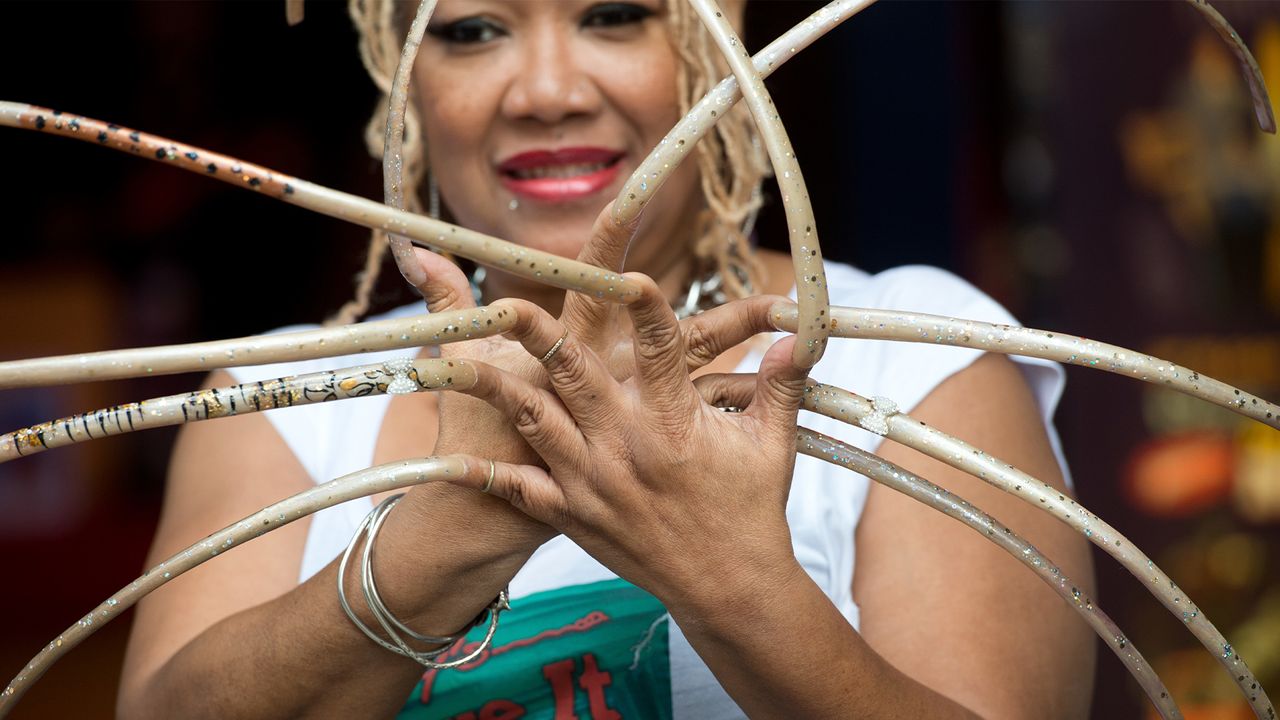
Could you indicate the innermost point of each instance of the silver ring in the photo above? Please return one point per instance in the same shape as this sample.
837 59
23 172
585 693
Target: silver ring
488 483
554 349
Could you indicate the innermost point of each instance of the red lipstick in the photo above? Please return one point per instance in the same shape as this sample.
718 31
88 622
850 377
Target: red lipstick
559 175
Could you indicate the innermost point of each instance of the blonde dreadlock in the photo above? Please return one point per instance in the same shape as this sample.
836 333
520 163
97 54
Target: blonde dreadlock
730 160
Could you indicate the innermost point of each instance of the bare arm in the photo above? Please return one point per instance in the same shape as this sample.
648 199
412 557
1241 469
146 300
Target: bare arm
689 503
238 637
1006 646
950 625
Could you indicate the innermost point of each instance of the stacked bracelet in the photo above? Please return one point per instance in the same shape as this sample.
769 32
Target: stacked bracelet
369 528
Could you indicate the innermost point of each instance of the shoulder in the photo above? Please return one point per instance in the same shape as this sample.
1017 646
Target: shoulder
914 288
907 372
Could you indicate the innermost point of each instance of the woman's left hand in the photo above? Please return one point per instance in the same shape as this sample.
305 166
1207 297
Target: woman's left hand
665 490
689 503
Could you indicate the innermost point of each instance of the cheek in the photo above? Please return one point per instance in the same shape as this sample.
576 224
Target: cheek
643 87
641 83
455 125
656 110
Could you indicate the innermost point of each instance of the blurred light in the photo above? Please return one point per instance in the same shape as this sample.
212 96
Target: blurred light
1256 493
1180 475
1237 560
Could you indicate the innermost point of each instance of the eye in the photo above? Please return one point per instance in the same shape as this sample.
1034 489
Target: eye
467 31
615 14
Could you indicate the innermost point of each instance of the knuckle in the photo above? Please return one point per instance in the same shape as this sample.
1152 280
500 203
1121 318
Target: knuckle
659 342
789 388
712 391
518 493
440 295
755 313
700 346
570 367
720 394
528 417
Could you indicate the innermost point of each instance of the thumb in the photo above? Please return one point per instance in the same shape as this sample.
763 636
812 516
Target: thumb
779 388
443 285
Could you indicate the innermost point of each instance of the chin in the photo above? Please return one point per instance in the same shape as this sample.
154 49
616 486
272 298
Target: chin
566 244
566 238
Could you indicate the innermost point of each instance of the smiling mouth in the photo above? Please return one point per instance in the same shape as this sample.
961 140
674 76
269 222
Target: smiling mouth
560 171
558 176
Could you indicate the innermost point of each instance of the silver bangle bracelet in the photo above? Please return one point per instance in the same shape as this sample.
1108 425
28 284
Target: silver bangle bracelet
371 596
369 528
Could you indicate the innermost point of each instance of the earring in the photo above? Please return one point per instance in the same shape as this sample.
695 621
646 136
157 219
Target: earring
433 196
757 201
477 284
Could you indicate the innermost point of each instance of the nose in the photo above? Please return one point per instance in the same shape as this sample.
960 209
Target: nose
551 84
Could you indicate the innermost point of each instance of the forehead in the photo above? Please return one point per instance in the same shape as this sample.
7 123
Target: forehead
522 6
402 11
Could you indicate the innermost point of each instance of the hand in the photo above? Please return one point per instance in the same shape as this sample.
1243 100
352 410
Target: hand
469 426
664 489
472 427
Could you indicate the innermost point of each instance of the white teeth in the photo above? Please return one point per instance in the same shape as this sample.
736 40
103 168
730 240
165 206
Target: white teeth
559 171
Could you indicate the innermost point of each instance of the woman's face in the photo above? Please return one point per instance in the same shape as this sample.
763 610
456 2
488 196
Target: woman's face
536 112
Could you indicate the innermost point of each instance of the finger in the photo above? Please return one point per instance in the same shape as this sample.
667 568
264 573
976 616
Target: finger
445 287
528 489
727 390
658 347
709 334
779 388
592 319
535 413
580 379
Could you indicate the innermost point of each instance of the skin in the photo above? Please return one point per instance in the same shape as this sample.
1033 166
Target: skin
547 80
240 637
638 494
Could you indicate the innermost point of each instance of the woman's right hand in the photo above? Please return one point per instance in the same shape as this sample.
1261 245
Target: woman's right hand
469 426
472 427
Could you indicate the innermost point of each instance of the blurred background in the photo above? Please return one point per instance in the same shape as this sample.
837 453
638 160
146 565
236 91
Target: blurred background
1093 166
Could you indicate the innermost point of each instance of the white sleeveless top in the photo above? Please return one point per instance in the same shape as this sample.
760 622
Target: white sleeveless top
579 639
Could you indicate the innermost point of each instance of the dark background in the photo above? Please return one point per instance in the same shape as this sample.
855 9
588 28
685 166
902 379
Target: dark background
1092 166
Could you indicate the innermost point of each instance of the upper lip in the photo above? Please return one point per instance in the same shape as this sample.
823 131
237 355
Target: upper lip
531 159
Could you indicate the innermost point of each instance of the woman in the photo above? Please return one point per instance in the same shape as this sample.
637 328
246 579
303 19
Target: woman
696 580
